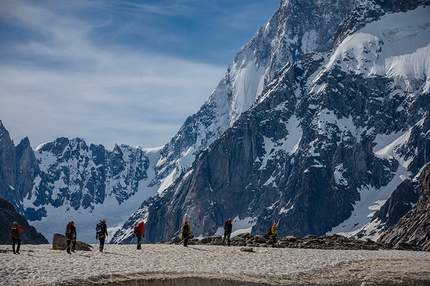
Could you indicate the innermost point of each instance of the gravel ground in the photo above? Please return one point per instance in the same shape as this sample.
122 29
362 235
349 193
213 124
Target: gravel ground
162 265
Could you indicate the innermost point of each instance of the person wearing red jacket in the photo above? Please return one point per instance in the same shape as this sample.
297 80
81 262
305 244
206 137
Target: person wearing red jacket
139 232
15 231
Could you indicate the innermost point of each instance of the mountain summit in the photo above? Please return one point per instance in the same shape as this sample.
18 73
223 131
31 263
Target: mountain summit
324 145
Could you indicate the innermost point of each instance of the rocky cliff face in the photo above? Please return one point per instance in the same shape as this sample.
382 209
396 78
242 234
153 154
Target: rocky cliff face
297 28
414 227
323 148
8 215
18 168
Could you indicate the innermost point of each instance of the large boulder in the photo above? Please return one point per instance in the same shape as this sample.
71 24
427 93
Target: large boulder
59 243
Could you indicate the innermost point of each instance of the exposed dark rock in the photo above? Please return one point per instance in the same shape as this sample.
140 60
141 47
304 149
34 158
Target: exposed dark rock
247 241
413 230
59 242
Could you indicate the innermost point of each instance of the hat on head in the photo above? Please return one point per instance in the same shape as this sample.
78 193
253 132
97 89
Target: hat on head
230 219
185 221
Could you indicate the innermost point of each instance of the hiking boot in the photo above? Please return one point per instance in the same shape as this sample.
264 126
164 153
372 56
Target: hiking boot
73 250
68 251
17 252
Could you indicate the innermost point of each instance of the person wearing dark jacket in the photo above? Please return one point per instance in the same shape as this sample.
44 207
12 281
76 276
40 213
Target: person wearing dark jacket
139 232
186 232
15 233
71 236
228 227
101 233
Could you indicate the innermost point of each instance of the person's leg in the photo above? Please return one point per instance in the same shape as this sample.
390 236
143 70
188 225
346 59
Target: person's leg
186 241
74 244
18 241
139 243
68 245
13 244
228 239
102 243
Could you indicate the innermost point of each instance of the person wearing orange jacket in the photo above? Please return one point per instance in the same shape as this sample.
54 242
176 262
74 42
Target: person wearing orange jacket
139 232
15 231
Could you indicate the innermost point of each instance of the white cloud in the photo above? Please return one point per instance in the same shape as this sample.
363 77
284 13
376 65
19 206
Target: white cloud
61 82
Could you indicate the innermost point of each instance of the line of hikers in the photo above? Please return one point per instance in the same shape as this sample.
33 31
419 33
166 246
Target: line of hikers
186 232
138 231
71 235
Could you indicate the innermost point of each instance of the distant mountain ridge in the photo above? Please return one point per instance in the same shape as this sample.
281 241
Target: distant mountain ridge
315 125
67 180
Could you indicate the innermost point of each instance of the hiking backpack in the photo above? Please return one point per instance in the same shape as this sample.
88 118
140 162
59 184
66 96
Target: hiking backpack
15 232
136 230
99 227
69 228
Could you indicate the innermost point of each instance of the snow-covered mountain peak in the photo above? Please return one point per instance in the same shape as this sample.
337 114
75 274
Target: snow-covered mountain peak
396 46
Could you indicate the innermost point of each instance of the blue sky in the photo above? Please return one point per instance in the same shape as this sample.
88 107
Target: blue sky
116 71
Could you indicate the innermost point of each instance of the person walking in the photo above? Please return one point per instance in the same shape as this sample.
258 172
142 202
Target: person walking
186 232
71 236
15 235
228 226
101 233
273 233
139 232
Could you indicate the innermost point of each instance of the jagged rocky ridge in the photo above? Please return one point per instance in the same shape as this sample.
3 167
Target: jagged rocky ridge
414 227
67 180
296 28
283 39
326 135
8 215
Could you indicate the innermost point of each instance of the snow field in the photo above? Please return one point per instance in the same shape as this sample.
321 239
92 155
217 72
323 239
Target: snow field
40 265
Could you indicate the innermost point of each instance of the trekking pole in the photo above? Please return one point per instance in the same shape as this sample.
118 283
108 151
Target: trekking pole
146 240
185 238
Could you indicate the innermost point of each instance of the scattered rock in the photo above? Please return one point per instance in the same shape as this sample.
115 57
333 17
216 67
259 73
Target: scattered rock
59 243
247 241
247 249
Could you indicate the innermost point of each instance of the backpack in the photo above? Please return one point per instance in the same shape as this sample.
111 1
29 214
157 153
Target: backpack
69 228
15 232
226 225
186 229
99 227
136 230
269 231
